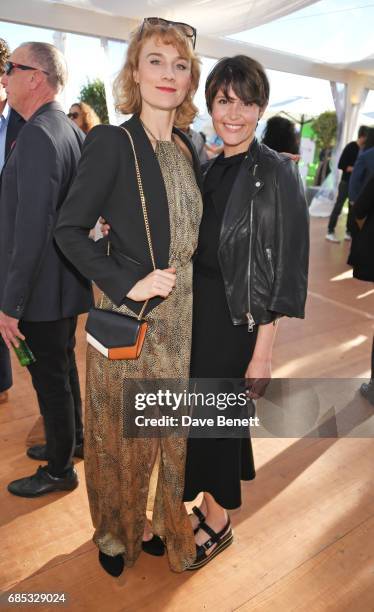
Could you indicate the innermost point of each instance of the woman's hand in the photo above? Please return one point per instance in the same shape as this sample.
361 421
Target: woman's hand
257 377
104 226
294 156
157 283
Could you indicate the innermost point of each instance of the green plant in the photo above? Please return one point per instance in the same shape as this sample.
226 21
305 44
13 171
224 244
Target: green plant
93 93
325 128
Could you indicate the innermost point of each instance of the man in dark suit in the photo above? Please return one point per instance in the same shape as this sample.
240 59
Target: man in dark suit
41 294
10 124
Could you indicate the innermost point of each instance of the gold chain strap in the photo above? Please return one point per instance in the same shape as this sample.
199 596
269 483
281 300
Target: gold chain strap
144 208
145 216
142 198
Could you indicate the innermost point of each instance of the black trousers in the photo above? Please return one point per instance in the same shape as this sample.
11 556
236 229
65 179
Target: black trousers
56 382
341 198
6 380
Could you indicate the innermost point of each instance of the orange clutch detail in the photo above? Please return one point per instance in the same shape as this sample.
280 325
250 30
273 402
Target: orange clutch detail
130 352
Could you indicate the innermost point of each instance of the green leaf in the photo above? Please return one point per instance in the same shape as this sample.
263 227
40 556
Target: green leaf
93 93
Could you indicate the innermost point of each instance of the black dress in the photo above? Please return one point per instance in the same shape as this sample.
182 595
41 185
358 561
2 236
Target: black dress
219 349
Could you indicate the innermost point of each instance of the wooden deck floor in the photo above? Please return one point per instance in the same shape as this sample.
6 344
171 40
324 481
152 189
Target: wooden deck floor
304 537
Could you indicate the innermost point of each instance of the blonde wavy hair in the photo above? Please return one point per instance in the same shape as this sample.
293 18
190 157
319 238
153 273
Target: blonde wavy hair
126 91
89 116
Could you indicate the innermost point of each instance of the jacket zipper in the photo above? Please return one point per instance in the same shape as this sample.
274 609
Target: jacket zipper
251 321
270 259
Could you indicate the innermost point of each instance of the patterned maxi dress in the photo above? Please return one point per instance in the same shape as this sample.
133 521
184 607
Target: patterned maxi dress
118 468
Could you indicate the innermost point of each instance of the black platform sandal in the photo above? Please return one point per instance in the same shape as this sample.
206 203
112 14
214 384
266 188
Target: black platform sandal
154 546
112 565
222 539
197 512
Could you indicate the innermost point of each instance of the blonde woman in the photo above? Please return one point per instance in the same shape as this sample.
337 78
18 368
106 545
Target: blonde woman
157 84
84 116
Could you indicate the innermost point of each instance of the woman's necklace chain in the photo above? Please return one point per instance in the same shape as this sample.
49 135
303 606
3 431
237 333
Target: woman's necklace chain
157 140
148 130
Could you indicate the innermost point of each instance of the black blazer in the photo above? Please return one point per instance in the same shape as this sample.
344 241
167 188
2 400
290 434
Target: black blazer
106 185
37 283
362 247
15 123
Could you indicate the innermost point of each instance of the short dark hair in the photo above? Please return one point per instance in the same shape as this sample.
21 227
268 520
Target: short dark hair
280 135
363 131
4 54
245 75
369 142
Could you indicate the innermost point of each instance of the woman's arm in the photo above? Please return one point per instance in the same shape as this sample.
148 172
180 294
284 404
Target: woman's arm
291 244
97 172
258 372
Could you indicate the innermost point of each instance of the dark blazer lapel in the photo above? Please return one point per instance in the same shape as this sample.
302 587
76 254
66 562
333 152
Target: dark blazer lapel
245 187
7 159
154 191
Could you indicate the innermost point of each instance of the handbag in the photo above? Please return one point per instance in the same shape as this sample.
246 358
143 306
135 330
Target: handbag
116 335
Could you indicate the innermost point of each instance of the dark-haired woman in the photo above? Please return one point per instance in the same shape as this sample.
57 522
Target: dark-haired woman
250 270
280 135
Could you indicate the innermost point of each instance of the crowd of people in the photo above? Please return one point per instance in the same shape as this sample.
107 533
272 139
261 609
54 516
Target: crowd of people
210 257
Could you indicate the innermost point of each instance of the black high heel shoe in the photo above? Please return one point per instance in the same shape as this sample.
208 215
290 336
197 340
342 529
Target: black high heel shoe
155 546
112 565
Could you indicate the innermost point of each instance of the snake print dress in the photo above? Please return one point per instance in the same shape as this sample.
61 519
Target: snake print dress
118 469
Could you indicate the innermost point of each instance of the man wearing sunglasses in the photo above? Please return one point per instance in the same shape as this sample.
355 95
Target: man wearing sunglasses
41 294
10 124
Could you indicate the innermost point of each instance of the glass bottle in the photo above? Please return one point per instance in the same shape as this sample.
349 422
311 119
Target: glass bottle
24 354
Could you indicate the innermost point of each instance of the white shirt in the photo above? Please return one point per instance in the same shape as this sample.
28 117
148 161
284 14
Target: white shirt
4 120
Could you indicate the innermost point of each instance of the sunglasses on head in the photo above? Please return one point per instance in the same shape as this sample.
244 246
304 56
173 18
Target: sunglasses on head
9 66
74 115
186 29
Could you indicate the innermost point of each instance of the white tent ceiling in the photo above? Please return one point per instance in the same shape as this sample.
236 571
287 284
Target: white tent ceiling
217 17
115 19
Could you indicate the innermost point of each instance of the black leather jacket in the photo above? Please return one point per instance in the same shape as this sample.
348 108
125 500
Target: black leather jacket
264 242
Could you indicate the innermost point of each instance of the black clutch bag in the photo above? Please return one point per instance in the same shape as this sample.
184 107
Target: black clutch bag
116 335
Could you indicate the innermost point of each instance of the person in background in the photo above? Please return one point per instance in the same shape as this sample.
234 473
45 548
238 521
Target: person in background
346 162
280 135
324 167
199 143
363 167
213 146
362 256
41 294
83 116
10 125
